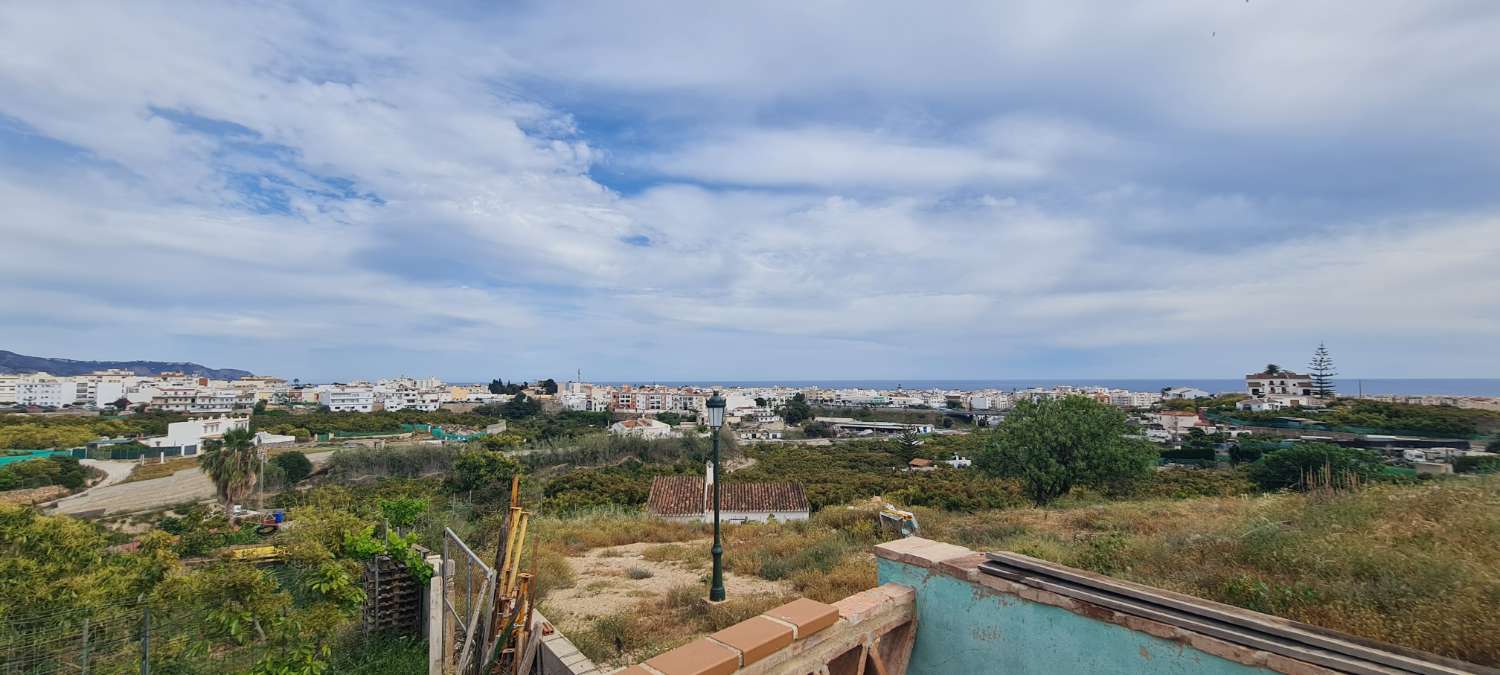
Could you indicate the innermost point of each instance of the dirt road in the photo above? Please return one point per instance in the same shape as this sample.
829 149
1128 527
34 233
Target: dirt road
145 495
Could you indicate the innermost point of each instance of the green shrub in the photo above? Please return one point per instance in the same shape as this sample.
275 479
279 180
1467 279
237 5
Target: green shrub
54 470
1480 464
1286 467
294 466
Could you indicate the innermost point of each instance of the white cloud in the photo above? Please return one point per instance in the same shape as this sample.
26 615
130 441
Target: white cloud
830 189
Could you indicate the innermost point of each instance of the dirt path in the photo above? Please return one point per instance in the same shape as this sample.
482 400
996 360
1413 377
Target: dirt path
604 583
114 471
186 485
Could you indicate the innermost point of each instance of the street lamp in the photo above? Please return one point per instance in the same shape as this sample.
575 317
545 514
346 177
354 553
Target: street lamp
715 422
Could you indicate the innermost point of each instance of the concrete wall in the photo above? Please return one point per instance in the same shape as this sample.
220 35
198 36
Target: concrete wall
968 627
558 656
964 631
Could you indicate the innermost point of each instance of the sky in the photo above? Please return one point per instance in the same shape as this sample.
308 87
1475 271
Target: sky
689 190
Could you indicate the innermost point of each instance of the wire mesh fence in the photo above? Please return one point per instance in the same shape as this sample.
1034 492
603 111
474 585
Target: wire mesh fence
136 637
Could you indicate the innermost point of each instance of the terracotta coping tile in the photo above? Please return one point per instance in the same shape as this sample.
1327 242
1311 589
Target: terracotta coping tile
808 616
921 552
699 657
755 638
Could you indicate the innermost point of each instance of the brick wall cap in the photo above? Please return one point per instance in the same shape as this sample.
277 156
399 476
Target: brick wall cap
755 638
808 616
699 657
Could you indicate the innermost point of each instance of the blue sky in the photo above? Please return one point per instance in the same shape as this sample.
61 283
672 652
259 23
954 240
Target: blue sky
756 190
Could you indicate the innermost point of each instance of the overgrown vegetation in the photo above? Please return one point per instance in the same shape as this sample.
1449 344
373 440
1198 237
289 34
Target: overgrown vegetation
32 473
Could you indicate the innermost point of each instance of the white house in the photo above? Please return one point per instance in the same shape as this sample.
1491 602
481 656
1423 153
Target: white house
1185 392
192 433
348 399
1260 404
1279 383
643 427
690 499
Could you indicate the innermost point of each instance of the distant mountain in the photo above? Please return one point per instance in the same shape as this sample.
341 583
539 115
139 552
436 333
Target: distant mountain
13 363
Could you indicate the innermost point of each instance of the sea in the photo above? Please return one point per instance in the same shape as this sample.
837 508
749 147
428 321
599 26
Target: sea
1347 387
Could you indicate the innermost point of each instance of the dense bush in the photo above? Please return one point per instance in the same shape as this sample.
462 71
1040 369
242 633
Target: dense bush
1189 483
405 461
1286 467
1199 454
1434 419
294 466
482 475
32 473
1479 464
628 484
69 431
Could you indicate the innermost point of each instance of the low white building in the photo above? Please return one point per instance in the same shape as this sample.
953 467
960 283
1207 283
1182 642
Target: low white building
192 433
643 427
690 499
1185 392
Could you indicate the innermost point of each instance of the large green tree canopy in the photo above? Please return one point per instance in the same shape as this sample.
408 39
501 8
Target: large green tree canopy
1052 445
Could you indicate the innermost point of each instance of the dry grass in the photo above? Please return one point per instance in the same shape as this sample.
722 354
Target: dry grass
1417 566
152 470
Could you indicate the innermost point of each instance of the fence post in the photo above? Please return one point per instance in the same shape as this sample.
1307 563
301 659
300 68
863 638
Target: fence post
85 659
146 639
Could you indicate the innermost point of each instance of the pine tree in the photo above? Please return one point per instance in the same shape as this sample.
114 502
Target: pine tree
1322 373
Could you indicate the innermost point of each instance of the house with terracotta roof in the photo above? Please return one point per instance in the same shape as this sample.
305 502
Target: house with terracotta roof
690 499
643 427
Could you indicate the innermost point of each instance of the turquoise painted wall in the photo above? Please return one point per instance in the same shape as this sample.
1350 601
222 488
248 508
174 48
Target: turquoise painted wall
962 628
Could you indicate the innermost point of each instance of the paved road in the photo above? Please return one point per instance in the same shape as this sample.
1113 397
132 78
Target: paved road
145 495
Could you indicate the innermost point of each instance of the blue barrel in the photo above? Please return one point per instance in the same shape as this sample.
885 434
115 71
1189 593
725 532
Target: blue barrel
278 515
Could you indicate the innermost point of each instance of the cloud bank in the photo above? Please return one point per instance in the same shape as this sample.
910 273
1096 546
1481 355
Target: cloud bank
684 191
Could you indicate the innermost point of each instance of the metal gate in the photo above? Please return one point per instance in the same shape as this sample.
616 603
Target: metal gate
468 592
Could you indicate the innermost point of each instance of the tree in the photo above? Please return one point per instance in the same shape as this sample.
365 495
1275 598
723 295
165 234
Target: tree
796 410
548 385
761 402
1052 445
230 462
484 474
295 466
1322 373
671 418
121 404
498 386
1494 445
1286 467
1272 369
520 407
260 407
819 430
402 512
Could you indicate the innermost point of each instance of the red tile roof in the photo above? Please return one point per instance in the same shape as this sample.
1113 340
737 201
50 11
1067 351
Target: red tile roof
676 496
686 496
760 497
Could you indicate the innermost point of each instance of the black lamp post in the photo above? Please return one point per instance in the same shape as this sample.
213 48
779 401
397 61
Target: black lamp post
715 422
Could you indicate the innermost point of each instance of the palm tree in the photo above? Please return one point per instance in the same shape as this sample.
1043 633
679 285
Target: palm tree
1272 369
230 463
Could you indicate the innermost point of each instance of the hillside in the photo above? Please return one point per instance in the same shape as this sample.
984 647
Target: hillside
12 363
